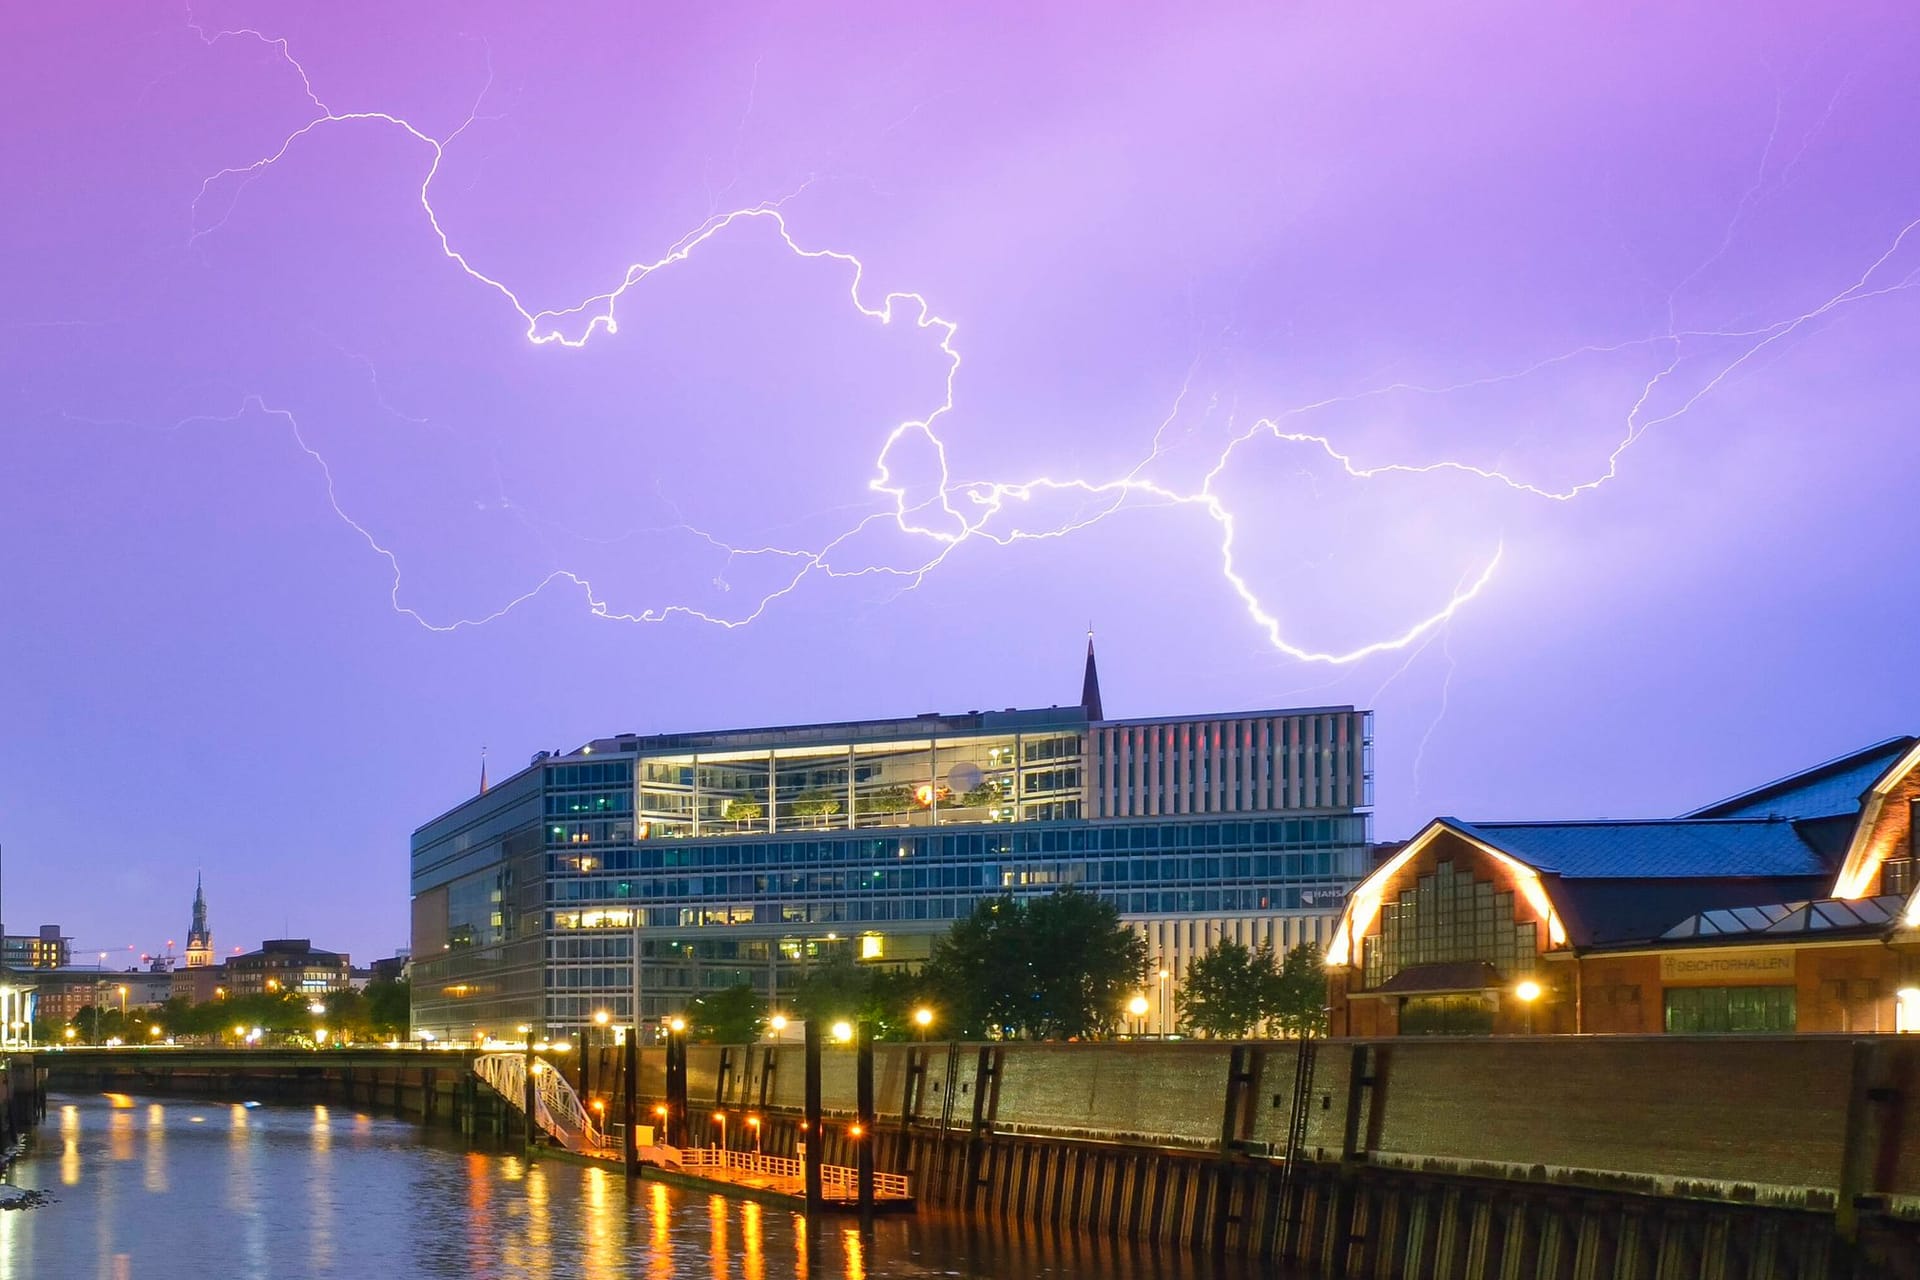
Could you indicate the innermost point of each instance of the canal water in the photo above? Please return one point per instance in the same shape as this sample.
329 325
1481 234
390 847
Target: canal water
150 1189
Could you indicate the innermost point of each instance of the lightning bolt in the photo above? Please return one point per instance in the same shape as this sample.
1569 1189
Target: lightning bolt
961 512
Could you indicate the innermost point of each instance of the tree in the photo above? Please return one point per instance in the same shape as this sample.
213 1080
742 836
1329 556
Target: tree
978 972
889 799
841 988
731 1016
1227 990
1296 999
390 1007
1084 963
818 803
1056 967
347 1016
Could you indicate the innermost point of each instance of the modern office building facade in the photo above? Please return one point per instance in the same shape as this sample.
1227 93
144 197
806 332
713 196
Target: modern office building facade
744 856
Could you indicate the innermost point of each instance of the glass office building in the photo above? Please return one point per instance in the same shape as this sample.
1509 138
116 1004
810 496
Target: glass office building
744 856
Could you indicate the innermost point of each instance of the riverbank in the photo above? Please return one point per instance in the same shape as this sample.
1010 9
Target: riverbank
23 1104
146 1186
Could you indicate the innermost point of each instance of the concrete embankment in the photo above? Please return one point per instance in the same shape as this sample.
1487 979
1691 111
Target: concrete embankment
23 1103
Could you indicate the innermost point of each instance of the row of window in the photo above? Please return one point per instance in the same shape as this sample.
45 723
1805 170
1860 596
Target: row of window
1720 1010
904 876
881 909
560 804
600 773
1176 769
1265 873
1294 833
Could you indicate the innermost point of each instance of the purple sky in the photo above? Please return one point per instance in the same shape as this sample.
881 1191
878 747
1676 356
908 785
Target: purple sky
1498 236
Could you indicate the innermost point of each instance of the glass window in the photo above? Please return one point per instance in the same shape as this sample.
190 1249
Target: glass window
1450 916
1729 1010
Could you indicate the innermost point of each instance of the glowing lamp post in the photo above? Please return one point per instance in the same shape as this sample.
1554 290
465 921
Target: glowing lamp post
1529 993
1906 1010
1138 1008
922 1019
843 1031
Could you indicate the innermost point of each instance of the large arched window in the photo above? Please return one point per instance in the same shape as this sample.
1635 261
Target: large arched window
1449 916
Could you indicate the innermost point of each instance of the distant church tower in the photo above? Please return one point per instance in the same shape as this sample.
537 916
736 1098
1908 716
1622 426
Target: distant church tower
1090 684
199 940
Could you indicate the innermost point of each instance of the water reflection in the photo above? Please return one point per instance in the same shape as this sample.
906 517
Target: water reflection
199 1189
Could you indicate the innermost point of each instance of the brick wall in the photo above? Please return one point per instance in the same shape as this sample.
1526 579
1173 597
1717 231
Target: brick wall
1720 1113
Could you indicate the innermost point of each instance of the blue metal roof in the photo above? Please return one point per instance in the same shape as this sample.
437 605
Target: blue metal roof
1824 791
1660 848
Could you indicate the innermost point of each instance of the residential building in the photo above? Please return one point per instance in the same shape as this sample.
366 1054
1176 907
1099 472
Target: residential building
746 855
60 995
1790 907
290 965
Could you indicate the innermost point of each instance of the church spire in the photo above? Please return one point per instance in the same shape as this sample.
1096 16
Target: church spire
483 771
199 937
1090 685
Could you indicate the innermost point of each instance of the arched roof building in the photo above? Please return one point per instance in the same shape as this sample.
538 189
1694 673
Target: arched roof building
1788 907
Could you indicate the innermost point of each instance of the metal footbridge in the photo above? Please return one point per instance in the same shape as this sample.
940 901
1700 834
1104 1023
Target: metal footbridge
557 1109
558 1112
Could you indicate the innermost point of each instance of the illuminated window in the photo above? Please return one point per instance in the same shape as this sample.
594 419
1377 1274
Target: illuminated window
1449 916
1729 1010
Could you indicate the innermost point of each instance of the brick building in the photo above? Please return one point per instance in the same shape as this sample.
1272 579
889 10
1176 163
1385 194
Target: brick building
1787 908
288 965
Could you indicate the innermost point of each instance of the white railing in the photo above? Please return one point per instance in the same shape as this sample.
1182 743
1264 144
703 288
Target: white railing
836 1181
556 1107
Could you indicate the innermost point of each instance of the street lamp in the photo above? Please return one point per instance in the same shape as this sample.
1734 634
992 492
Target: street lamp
1165 1020
843 1031
778 1023
923 1018
1529 993
676 1024
753 1123
1138 1008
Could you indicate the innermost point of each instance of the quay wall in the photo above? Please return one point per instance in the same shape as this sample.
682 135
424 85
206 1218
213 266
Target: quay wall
435 1087
1557 1158
1735 1118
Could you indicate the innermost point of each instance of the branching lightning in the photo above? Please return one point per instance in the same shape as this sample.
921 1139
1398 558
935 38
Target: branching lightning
961 512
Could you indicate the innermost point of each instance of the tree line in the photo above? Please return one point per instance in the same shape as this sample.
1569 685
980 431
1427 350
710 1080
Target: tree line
379 1013
1060 967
